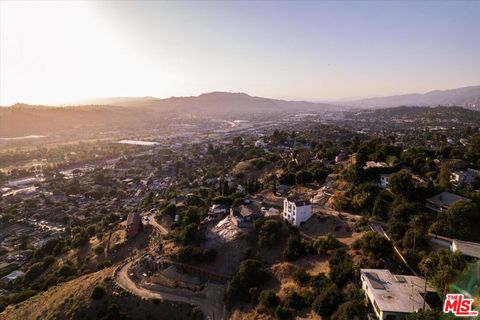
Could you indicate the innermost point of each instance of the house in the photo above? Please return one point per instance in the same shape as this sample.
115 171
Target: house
242 216
384 180
443 201
394 296
282 189
260 144
5 281
342 156
133 224
461 177
296 211
217 211
466 248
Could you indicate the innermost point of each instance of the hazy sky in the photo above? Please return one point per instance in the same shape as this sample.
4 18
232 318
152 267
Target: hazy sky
60 52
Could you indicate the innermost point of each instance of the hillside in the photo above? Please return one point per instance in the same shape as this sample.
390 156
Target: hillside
131 113
224 103
72 300
468 97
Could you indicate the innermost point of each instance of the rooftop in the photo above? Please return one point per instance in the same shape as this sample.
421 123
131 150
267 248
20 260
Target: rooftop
395 293
446 199
299 202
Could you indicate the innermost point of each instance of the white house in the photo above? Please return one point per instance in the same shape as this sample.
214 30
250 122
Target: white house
384 180
394 296
296 211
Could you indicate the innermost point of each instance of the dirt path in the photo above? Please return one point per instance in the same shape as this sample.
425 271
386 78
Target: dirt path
209 300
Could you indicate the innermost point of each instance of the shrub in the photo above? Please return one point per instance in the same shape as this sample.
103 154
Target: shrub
327 301
268 298
294 249
98 292
300 276
283 313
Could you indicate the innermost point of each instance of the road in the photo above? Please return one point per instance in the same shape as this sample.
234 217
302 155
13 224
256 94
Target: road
161 229
209 300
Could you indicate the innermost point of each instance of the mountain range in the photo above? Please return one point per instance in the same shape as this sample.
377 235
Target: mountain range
467 97
124 113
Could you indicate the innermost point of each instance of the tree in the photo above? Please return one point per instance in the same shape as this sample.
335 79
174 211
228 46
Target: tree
283 313
294 249
98 292
401 183
376 245
341 267
350 310
268 298
460 221
250 274
327 301
442 267
339 201
99 250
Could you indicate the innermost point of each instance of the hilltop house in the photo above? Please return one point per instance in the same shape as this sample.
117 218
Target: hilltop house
242 216
461 177
296 211
443 201
394 296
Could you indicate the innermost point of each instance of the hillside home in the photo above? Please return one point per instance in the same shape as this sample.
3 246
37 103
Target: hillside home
443 201
394 296
296 211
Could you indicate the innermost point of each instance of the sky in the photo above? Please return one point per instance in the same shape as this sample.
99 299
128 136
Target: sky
63 52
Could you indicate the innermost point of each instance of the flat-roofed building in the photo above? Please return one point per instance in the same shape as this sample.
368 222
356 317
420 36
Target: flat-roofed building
393 296
443 201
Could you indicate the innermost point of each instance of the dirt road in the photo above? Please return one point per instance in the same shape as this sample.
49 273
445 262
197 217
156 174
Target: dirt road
209 300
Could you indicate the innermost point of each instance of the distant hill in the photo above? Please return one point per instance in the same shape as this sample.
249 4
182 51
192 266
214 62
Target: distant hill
224 103
127 113
467 97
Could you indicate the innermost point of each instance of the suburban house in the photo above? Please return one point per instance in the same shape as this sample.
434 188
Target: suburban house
296 211
242 216
217 211
384 180
133 224
394 296
443 201
462 177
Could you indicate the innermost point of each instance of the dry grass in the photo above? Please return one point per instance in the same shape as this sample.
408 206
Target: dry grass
59 301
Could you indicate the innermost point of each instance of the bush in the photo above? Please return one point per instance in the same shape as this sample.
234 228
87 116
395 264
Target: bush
300 276
294 249
350 310
268 231
283 313
98 292
341 267
251 274
99 250
322 246
327 301
268 298
294 301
